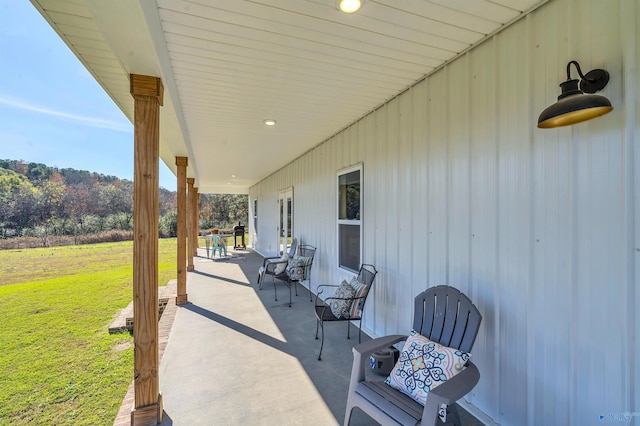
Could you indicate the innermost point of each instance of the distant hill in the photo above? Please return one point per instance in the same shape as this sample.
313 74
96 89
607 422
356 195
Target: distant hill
36 172
37 200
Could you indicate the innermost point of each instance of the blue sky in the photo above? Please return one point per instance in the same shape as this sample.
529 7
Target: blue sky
52 111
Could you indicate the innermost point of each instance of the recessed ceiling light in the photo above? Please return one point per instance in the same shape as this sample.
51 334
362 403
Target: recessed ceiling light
233 176
349 6
269 122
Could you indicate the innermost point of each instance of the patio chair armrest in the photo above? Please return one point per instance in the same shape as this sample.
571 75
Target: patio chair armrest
320 289
272 259
351 299
327 302
367 348
340 298
269 260
449 392
363 351
457 386
271 265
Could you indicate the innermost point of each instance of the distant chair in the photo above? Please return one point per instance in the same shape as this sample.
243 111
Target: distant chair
309 252
270 264
219 245
346 304
443 315
297 269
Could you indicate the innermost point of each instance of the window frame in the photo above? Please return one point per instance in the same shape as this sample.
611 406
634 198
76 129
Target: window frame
255 215
350 222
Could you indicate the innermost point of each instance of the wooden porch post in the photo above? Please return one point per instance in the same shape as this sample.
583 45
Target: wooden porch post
181 297
190 226
196 221
147 93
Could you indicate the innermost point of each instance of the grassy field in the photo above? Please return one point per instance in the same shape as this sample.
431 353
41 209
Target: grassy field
58 361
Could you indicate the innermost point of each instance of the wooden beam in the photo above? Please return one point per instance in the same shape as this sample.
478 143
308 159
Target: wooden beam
196 221
190 225
181 297
147 93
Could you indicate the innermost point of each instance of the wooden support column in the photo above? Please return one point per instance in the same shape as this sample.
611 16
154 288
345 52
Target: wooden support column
147 93
181 163
196 221
190 226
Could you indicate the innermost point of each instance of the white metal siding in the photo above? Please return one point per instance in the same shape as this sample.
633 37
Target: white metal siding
538 227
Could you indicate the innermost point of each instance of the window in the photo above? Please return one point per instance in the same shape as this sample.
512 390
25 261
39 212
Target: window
350 218
285 219
255 215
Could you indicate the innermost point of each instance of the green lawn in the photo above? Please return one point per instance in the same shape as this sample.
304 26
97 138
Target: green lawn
58 362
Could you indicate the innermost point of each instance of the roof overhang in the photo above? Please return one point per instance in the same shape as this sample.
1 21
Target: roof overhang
228 65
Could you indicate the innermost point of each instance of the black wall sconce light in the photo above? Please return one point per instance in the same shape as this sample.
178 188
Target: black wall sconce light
574 106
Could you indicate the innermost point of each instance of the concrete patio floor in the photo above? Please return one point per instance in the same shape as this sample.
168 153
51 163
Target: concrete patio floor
236 356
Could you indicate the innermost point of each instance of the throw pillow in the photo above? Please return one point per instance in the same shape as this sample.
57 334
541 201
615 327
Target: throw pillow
424 365
280 267
339 306
299 268
360 290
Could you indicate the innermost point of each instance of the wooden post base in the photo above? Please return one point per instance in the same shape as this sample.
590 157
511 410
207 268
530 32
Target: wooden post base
150 415
191 268
181 299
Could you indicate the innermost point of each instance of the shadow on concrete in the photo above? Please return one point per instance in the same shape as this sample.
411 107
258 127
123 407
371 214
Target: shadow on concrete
221 278
296 324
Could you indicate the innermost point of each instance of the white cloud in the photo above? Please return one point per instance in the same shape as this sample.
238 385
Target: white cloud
87 121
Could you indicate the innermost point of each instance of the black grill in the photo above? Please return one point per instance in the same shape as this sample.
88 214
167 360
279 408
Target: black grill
238 231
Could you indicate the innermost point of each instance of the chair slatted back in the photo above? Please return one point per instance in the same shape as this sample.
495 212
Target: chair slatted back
447 316
367 274
305 250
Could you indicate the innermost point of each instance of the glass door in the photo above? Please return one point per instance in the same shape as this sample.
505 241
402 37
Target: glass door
285 220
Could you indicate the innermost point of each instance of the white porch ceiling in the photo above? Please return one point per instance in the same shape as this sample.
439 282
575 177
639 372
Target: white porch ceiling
229 64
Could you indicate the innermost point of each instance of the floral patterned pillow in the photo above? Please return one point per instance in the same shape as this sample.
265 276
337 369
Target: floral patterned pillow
424 365
341 307
299 268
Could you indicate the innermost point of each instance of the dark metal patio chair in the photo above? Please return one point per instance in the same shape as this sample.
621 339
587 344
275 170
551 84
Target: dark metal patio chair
298 269
349 305
270 264
444 315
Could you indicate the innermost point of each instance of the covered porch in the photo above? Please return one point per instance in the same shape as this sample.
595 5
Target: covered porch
431 109
261 354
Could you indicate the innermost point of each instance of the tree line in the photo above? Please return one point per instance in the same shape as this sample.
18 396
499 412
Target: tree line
37 200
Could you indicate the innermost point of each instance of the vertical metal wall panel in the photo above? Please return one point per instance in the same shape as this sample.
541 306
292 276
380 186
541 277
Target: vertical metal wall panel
540 88
371 215
383 197
391 196
405 191
513 207
630 73
419 198
483 169
437 178
539 227
458 140
553 233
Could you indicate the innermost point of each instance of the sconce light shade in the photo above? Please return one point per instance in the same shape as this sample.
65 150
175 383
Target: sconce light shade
574 106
